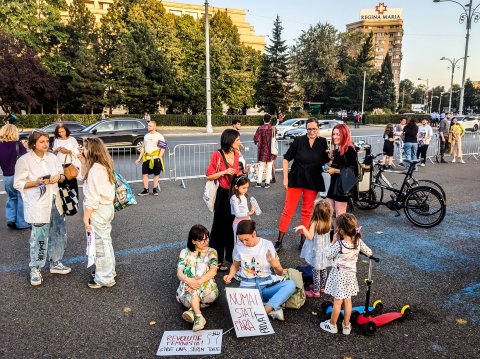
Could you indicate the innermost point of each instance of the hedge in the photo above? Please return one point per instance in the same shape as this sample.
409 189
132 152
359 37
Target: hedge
36 121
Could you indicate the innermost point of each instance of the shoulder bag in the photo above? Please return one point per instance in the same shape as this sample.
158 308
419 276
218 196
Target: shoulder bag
274 144
70 171
210 191
69 199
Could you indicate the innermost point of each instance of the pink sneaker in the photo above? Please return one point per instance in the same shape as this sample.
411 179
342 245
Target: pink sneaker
312 294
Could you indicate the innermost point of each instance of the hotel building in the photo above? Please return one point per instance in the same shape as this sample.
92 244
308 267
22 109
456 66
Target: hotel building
387 27
248 37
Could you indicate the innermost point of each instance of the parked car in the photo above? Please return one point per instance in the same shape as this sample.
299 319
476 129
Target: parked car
116 132
289 125
50 129
325 129
469 122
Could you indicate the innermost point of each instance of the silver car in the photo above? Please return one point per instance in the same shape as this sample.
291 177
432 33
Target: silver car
325 129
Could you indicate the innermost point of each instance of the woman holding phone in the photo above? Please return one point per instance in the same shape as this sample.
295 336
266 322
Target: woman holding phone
37 174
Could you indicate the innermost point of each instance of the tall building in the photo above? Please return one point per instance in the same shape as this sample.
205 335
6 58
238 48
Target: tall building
238 16
387 27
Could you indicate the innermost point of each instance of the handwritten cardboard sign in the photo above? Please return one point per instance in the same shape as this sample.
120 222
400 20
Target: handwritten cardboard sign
248 314
187 342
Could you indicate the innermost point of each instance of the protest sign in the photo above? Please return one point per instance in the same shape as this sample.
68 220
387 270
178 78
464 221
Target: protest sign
91 252
188 342
248 314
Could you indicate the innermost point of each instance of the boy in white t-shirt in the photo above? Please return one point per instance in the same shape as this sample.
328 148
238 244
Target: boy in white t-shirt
151 155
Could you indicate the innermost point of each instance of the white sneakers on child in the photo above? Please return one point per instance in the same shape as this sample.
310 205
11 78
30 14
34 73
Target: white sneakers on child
329 327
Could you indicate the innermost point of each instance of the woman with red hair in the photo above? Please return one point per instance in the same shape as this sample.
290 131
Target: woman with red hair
344 155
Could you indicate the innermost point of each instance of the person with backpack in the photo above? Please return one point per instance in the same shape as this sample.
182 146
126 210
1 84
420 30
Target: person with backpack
99 193
255 258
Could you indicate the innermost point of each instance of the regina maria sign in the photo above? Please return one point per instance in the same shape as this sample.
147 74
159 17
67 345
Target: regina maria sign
381 12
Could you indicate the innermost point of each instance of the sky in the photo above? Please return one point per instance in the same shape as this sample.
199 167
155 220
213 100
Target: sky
431 30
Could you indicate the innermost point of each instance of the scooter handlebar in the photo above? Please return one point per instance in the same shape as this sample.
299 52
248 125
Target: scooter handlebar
372 258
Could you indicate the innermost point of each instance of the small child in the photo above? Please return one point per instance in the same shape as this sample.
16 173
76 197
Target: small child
314 251
388 145
342 282
239 203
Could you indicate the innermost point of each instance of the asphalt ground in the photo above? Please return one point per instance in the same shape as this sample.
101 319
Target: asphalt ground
435 271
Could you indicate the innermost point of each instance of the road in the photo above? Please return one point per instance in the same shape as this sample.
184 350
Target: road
435 271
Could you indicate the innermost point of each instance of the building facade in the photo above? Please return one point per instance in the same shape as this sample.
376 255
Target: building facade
248 37
387 27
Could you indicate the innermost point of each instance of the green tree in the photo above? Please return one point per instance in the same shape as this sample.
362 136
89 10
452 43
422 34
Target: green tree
382 94
355 59
314 60
407 89
469 96
274 88
83 84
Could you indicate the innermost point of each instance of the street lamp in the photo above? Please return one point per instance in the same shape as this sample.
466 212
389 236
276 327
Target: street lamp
453 64
469 13
426 91
207 77
440 102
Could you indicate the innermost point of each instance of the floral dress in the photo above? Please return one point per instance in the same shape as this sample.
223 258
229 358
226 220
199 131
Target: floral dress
194 265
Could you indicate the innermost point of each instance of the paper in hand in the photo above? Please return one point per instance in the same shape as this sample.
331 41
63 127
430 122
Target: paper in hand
91 247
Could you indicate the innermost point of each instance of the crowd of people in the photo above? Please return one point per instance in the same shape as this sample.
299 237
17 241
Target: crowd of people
329 237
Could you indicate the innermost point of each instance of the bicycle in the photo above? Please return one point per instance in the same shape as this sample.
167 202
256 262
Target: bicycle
424 205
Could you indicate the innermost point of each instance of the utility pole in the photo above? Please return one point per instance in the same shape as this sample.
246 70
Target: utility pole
207 78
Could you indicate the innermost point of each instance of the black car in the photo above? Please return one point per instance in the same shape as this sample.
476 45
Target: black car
50 129
116 132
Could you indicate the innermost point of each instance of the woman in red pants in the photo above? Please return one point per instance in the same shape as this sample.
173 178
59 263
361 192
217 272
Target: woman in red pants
309 154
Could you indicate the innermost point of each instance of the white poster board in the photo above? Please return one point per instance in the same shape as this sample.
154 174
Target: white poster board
248 314
91 252
188 342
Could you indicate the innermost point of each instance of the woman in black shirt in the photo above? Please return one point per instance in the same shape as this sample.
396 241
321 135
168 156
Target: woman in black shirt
410 145
309 154
344 155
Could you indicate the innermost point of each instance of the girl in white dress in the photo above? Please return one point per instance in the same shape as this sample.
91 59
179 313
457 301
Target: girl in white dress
342 282
239 203
314 251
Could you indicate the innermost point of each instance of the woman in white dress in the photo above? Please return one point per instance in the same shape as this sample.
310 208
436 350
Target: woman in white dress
66 149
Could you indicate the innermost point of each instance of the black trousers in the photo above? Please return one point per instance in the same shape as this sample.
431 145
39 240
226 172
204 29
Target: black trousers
422 152
221 235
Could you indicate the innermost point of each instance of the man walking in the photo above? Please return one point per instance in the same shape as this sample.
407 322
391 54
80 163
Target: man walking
443 129
151 155
397 132
263 140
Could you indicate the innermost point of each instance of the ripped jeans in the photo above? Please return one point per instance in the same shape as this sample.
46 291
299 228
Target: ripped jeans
48 239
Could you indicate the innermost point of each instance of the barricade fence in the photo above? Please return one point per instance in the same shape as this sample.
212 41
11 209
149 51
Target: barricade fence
189 161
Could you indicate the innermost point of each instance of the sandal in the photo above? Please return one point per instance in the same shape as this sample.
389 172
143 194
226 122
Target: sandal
223 268
312 294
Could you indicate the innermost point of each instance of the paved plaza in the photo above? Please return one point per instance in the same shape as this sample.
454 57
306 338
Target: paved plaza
434 270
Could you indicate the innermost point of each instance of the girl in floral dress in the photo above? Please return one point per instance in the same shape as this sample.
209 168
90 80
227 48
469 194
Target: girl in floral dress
196 270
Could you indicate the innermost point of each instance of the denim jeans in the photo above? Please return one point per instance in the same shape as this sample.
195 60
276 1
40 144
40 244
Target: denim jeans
273 295
398 152
410 150
48 239
14 205
101 221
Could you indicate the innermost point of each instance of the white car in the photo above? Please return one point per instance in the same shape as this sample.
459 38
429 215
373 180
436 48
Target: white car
325 129
289 125
470 122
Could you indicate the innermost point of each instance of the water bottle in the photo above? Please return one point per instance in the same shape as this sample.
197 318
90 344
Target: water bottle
254 202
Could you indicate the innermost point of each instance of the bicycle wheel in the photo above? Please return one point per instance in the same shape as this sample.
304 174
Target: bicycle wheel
430 183
424 206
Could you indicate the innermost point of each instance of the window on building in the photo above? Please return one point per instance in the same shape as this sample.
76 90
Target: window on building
176 12
192 14
379 49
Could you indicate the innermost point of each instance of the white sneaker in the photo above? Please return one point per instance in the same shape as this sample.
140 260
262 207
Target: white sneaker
188 316
277 314
329 327
462 161
199 323
59 268
35 276
453 161
346 329
422 164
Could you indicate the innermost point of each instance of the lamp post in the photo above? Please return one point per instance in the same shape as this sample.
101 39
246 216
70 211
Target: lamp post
453 64
207 77
469 13
426 91
440 102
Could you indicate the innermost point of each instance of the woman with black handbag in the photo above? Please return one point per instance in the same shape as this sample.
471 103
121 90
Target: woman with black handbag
224 164
344 159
